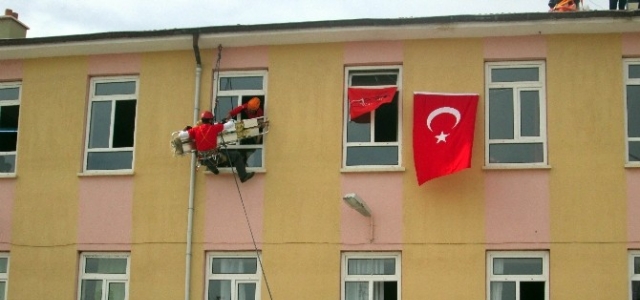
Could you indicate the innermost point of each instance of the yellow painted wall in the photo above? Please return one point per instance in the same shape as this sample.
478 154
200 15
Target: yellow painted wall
302 189
587 179
45 211
449 209
167 83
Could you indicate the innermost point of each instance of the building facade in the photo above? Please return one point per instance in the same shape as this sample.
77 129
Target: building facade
94 206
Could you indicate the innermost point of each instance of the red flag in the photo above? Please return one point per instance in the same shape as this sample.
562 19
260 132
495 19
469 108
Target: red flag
362 101
443 126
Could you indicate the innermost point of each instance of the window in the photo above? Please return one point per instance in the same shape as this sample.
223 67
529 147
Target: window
4 275
104 276
233 276
373 139
237 88
634 262
370 276
632 94
9 113
515 114
111 124
518 275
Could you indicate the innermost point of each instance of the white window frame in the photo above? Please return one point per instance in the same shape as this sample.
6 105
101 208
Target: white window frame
517 87
345 277
627 82
544 255
5 85
633 254
106 278
112 99
398 143
4 277
239 94
234 278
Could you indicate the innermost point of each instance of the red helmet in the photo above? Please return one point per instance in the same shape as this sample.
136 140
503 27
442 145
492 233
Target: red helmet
206 115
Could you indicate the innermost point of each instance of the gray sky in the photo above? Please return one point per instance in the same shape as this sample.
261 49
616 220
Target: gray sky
68 17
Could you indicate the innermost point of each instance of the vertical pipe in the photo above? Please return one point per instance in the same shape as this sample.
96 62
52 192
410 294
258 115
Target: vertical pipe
192 180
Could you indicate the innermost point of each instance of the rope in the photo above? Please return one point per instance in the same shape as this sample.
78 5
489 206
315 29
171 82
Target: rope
216 73
246 217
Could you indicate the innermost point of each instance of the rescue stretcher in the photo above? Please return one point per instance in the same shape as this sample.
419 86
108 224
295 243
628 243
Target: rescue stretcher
243 129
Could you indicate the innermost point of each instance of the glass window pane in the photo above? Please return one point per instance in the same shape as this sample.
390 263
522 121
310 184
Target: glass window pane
106 265
371 266
386 119
8 141
515 74
363 79
533 290
356 291
7 163
3 287
3 265
247 291
100 124
501 118
634 151
633 110
529 113
122 160
241 83
636 265
359 129
387 290
503 290
253 157
235 266
383 155
634 71
517 266
516 153
115 88
10 93
635 293
116 291
91 290
224 106
9 115
124 123
219 290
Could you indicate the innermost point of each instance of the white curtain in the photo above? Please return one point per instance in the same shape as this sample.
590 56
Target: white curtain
496 287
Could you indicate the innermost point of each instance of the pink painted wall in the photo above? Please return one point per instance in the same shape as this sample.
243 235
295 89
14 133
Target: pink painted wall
383 194
517 209
8 188
631 44
243 58
114 64
11 70
525 47
633 208
105 217
373 53
226 227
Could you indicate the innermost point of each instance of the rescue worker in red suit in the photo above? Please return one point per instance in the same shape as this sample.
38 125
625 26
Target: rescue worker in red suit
205 136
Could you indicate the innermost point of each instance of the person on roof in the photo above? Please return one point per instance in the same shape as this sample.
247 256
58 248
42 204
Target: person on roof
205 135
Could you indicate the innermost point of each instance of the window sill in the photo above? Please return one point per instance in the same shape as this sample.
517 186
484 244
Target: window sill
8 175
363 169
106 173
517 167
632 165
228 170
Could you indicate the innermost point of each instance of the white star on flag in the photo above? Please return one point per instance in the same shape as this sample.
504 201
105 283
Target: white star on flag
442 137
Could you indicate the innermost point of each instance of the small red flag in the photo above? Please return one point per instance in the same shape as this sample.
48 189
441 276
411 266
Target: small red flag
443 127
362 101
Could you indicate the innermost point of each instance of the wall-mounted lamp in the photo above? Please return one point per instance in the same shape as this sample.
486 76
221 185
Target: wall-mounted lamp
355 202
